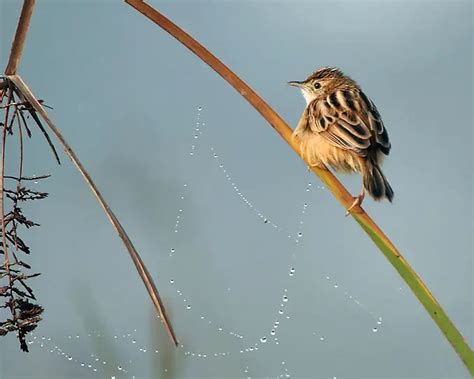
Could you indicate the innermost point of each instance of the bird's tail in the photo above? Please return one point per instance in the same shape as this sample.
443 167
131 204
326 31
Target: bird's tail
376 183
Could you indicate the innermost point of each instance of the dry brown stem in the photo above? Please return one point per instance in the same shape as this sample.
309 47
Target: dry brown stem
26 93
20 37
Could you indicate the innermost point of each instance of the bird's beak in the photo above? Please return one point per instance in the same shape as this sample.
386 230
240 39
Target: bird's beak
296 83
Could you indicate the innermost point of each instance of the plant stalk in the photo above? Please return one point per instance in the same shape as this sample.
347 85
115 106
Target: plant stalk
20 37
387 248
26 93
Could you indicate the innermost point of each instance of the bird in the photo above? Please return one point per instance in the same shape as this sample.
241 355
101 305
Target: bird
342 128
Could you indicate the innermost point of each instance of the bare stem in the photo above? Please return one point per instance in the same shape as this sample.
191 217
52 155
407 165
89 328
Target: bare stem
2 189
20 37
25 92
337 189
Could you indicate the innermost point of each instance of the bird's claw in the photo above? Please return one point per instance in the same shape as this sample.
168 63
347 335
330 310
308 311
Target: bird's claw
311 165
356 203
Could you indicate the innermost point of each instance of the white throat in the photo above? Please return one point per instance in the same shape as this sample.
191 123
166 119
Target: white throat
308 96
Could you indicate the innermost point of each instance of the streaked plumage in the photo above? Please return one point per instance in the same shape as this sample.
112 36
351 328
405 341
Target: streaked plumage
342 128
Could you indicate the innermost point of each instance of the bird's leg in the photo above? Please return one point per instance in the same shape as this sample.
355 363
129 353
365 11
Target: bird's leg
357 201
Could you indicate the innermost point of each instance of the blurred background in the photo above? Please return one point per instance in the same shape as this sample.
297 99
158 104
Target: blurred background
262 274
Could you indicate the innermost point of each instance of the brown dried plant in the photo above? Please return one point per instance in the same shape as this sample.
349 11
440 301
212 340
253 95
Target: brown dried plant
20 107
14 271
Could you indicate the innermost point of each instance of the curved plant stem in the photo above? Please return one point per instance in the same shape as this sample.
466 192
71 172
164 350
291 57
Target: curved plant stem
337 189
26 93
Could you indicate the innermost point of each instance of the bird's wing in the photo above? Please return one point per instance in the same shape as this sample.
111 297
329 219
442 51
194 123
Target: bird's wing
350 121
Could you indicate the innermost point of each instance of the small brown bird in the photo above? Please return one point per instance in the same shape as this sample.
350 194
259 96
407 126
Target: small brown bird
341 127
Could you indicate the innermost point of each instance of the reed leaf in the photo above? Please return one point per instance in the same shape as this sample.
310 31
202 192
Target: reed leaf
395 258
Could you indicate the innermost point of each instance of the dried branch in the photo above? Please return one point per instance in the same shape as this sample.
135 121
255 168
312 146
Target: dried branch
337 189
23 91
17 293
20 37
29 103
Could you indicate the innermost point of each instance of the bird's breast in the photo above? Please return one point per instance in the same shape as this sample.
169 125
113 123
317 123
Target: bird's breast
316 148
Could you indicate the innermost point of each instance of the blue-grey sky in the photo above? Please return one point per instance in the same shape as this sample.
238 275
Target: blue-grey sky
126 96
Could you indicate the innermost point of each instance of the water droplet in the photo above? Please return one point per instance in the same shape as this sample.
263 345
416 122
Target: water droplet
292 271
300 234
336 285
199 109
273 332
263 339
285 298
375 330
188 306
172 281
321 338
280 311
134 341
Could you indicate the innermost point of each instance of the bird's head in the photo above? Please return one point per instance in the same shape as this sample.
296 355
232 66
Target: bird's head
321 83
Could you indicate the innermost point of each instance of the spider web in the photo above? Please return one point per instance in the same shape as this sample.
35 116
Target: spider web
240 345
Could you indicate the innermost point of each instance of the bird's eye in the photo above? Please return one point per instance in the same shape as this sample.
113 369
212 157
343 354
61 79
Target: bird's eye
317 85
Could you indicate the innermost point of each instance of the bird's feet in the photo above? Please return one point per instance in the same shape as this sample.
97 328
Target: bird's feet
316 164
357 202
